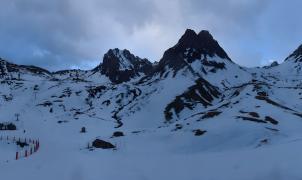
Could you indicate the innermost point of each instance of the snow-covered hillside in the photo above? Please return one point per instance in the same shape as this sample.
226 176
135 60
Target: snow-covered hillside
193 115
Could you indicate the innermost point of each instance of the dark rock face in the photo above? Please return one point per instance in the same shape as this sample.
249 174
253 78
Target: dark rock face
254 114
191 47
297 55
200 93
98 143
118 134
94 92
199 132
203 41
210 114
120 66
271 120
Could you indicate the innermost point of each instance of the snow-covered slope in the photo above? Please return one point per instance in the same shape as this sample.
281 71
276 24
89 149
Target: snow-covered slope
193 115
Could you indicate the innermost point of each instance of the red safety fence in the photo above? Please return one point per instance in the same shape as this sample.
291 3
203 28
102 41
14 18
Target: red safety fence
30 146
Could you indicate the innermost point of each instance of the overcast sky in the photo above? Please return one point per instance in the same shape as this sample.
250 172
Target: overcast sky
59 34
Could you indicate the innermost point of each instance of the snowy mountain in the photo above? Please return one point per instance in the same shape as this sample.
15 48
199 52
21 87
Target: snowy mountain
191 115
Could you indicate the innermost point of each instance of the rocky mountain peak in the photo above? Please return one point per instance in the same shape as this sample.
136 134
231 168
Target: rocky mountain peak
190 47
203 42
188 38
121 65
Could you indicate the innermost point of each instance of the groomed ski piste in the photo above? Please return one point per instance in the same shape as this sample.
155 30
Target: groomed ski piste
151 155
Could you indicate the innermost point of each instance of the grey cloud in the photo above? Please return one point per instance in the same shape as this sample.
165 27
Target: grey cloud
61 34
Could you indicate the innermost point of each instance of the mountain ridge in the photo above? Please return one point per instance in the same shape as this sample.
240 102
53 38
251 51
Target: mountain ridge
203 41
